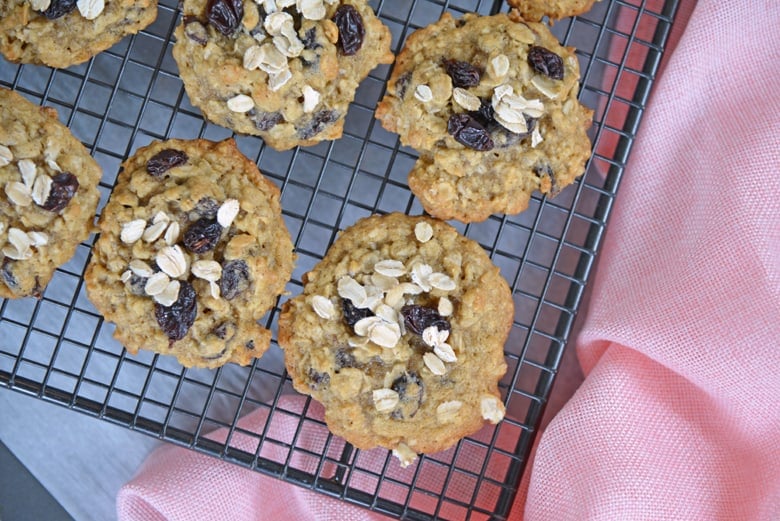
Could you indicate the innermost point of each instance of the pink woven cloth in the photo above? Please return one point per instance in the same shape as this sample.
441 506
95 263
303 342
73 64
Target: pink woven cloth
679 414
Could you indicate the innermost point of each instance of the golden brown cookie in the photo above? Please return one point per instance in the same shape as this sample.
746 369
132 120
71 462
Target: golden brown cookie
49 196
192 252
279 69
399 333
61 33
494 118
535 10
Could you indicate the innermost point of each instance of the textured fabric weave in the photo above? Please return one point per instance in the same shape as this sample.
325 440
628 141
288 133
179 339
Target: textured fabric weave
679 413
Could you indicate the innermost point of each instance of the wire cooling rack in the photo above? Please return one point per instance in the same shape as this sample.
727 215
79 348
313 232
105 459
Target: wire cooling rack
59 349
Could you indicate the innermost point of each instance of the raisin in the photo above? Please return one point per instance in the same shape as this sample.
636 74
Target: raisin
486 114
164 160
546 170
225 15
463 74
546 62
469 132
317 123
250 344
176 319
235 279
310 39
317 380
351 30
411 393
63 187
309 57
419 318
58 8
542 170
137 285
265 120
8 276
215 357
225 331
344 358
205 207
352 314
501 136
195 30
402 83
203 235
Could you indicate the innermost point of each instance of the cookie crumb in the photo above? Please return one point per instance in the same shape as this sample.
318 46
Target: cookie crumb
405 455
492 410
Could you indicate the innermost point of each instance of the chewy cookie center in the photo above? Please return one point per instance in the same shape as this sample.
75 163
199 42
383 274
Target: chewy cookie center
397 317
172 253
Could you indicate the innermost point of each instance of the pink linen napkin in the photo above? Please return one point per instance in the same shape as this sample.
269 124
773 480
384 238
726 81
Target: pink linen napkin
679 414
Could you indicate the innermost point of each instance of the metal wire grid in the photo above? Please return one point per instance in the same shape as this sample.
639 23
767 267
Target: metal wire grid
59 349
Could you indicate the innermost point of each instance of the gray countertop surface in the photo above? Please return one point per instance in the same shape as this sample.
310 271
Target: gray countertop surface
81 461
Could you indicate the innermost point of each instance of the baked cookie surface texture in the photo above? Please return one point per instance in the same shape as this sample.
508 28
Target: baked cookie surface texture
535 10
61 33
399 333
494 118
49 195
192 252
279 69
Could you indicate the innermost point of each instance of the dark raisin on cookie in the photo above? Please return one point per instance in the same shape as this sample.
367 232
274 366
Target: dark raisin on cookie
317 123
8 276
501 136
164 160
265 120
352 314
402 83
411 393
419 318
63 187
545 170
216 356
235 279
463 74
310 39
310 57
469 132
486 114
137 285
59 8
351 29
225 15
176 319
317 380
195 31
205 207
203 235
546 62
225 331
345 358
